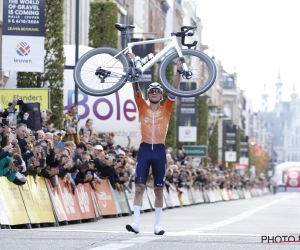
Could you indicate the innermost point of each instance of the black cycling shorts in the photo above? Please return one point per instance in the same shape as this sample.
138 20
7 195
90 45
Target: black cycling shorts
154 156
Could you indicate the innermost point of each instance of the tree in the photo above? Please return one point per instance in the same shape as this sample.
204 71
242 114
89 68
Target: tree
172 130
213 144
102 32
259 159
202 123
53 75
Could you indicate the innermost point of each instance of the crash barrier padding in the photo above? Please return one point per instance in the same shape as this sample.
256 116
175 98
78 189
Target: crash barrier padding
38 202
104 198
27 204
69 206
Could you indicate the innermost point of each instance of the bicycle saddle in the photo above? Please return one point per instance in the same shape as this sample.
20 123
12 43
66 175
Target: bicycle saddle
122 27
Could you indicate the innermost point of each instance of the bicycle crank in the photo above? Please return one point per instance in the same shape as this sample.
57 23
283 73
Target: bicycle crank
102 74
134 74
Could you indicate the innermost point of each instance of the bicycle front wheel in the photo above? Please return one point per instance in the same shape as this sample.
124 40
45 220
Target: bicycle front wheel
101 72
202 73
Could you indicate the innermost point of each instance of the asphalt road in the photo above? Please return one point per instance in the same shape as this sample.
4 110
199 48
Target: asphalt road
231 225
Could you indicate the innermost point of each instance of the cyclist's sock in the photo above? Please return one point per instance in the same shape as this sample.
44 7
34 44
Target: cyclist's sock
136 213
158 211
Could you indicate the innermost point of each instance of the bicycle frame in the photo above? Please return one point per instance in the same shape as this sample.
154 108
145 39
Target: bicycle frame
159 55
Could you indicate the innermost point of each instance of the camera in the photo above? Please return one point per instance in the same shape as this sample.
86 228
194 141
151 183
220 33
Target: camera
20 102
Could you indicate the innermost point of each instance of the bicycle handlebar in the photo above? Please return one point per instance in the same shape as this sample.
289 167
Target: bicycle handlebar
185 32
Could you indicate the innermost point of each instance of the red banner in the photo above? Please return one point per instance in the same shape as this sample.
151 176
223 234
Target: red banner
240 166
69 206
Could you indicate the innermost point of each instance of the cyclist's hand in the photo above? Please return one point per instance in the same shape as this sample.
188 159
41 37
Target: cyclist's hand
131 55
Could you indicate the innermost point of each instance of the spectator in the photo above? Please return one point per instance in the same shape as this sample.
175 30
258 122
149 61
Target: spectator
10 165
72 117
87 131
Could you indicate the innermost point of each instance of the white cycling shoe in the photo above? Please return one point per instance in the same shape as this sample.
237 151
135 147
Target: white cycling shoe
133 227
158 230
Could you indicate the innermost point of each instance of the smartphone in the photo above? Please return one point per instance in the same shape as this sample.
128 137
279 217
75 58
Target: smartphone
12 136
69 162
42 162
45 148
43 155
88 173
36 135
37 144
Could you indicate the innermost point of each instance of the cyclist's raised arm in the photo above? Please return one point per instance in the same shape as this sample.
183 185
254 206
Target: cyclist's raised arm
176 80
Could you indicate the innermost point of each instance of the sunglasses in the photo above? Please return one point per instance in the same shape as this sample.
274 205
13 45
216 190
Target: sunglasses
155 91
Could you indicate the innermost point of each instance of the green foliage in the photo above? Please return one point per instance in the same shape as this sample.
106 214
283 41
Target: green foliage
172 130
202 123
213 143
53 75
102 32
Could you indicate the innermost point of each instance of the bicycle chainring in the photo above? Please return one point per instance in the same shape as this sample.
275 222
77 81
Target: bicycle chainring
134 74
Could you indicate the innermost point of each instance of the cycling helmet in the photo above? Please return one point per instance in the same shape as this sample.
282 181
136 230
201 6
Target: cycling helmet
155 85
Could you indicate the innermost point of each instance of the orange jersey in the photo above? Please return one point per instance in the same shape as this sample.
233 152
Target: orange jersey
154 124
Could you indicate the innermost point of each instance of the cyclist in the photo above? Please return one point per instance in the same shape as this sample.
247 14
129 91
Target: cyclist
154 120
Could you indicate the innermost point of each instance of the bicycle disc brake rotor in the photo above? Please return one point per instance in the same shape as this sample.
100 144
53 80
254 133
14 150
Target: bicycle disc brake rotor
134 74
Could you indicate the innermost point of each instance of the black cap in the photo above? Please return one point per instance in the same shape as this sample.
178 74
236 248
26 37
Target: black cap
83 165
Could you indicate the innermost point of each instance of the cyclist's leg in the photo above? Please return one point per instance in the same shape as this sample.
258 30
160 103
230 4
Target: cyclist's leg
159 175
141 174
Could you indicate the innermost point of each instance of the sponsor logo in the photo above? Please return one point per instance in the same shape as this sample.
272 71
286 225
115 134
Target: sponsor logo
23 49
187 131
83 199
146 119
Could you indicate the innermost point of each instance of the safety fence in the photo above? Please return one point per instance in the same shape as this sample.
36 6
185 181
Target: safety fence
36 203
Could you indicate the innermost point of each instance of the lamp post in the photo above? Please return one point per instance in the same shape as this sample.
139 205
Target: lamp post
76 50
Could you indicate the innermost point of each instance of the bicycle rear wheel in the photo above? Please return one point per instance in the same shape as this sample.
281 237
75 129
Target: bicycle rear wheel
202 77
111 72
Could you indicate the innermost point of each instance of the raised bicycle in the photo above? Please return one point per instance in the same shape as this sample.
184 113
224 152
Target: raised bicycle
103 71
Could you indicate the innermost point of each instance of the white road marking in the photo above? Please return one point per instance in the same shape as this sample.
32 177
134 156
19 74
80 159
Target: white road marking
235 218
137 240
143 239
112 247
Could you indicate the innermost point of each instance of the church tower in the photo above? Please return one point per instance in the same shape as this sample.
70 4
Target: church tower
264 96
294 97
278 100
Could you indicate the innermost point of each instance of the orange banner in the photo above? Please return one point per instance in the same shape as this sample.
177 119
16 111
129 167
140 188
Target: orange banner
85 201
105 199
69 206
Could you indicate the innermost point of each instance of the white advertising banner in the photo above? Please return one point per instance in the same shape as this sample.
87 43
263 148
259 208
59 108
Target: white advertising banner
23 53
187 134
23 29
244 160
230 156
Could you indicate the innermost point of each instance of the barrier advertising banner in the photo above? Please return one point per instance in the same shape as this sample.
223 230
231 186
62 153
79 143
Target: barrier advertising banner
105 199
29 204
23 35
64 202
41 199
13 204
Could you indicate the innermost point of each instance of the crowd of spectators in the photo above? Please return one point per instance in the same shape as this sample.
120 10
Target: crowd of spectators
83 155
